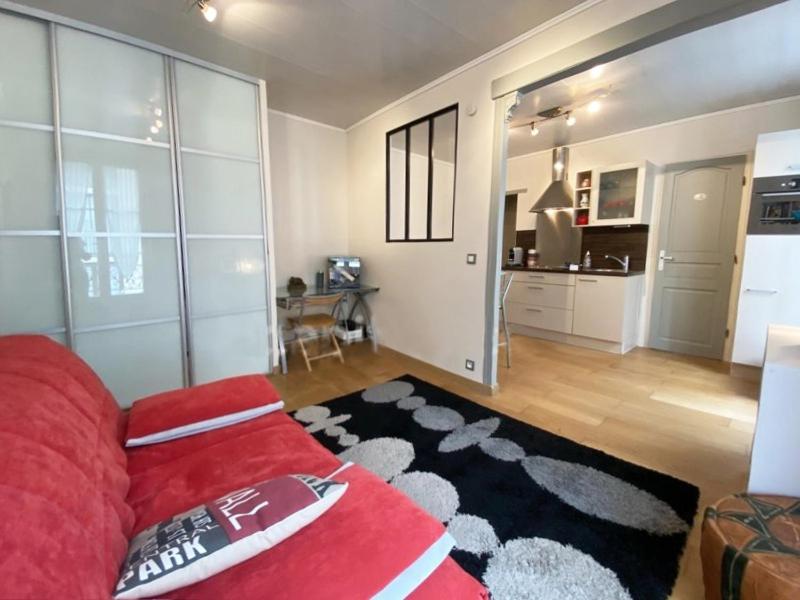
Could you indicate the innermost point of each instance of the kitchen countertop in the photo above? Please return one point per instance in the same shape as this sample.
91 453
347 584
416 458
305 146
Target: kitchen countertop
604 272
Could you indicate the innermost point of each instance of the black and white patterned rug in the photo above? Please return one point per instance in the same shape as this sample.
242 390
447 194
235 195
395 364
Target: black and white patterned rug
534 515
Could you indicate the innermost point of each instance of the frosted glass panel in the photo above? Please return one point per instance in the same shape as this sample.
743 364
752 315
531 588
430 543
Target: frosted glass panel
226 275
221 196
24 70
229 345
122 279
110 86
216 112
418 183
117 187
397 186
31 297
135 361
27 180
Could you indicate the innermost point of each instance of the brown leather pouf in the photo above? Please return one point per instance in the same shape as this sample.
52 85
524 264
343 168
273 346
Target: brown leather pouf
751 548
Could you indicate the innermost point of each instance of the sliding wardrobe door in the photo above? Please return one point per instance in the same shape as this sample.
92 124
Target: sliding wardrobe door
222 196
31 286
121 225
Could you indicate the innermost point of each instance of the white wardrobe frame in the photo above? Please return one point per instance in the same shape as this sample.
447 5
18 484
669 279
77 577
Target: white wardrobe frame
170 56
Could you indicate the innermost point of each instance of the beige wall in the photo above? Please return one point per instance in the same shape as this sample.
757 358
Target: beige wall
432 304
727 133
308 164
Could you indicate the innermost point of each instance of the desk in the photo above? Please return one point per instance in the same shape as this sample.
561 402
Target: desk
286 301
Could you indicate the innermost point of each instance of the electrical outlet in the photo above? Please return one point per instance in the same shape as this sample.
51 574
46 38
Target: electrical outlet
470 365
472 259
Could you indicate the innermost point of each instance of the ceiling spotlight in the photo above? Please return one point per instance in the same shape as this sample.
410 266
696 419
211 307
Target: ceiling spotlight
570 120
159 123
209 12
596 71
153 129
593 106
534 129
157 112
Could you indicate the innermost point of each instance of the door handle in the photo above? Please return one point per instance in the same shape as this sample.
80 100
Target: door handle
587 280
535 287
761 290
662 256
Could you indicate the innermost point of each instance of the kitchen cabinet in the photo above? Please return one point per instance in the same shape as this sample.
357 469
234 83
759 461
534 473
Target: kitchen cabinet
778 153
768 294
622 194
592 310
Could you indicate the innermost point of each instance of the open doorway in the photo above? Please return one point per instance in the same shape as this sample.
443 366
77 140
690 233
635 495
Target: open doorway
605 156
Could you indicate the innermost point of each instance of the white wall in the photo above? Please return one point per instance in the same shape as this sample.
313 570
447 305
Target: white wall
432 304
308 163
727 133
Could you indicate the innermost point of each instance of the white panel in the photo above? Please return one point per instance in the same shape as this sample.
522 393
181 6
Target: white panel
122 279
777 154
226 275
221 196
117 187
230 345
397 187
27 181
134 361
111 87
24 70
31 298
418 183
217 113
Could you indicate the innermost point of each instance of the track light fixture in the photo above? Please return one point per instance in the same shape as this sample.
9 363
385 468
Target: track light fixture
209 12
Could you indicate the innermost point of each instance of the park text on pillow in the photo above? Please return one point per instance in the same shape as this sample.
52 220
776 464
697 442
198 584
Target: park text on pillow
184 412
213 537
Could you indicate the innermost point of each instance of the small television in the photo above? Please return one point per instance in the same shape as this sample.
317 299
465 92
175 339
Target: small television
344 272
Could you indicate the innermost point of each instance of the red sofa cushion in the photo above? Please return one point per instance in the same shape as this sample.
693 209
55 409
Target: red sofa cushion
202 403
372 534
62 475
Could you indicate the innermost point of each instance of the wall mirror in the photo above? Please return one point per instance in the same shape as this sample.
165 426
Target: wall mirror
421 178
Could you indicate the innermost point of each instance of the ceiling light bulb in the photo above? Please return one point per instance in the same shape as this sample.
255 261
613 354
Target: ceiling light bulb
209 12
154 129
534 129
571 120
594 106
159 123
596 71
157 112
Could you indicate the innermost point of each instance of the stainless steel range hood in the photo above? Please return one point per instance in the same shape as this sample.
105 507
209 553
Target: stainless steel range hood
558 195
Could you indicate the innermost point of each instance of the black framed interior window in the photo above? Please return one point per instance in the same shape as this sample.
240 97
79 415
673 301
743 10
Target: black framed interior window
421 178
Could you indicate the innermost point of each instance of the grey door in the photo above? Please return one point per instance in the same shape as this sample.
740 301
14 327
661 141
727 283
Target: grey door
696 244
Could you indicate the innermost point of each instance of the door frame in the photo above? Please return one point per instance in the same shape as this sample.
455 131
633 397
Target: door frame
658 224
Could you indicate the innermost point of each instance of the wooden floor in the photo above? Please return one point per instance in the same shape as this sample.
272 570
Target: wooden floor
685 416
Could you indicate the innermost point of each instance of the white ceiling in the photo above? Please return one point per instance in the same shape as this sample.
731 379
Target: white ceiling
751 59
334 61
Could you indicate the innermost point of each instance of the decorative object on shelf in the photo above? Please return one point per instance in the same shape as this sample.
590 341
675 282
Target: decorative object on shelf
582 218
584 202
297 287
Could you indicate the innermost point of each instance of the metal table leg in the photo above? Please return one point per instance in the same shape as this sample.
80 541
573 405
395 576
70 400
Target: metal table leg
282 350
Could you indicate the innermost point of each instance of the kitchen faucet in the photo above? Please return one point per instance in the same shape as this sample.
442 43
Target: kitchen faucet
625 262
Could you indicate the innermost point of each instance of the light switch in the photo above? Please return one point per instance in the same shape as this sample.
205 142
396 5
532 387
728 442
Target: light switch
469 365
472 259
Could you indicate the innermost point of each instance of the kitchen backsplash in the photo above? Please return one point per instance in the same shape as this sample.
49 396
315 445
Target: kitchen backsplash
526 239
617 241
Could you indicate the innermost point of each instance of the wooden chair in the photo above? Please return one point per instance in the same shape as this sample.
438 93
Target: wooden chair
505 283
317 326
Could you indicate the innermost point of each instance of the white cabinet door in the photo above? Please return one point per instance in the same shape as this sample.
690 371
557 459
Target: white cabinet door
770 293
599 307
777 154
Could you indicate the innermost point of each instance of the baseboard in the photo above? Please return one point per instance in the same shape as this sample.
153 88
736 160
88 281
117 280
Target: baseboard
472 385
568 338
746 372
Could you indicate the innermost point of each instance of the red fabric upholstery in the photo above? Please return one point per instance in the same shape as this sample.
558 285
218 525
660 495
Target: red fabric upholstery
62 475
209 401
63 482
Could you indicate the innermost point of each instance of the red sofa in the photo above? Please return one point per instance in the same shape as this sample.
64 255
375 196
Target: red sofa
72 497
